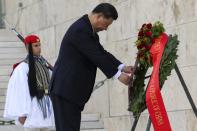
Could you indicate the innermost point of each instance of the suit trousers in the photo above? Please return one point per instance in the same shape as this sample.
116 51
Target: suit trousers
67 114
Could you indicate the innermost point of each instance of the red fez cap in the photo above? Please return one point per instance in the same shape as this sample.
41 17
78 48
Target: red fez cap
31 39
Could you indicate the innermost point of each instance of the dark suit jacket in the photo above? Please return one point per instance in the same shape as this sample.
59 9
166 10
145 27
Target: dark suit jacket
75 69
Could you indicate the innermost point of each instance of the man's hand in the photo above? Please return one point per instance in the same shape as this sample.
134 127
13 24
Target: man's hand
22 120
128 69
124 78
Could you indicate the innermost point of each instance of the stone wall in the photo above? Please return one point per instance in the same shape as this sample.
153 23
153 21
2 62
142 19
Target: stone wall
51 18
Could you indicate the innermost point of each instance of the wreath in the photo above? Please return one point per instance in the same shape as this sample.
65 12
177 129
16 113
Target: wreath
146 37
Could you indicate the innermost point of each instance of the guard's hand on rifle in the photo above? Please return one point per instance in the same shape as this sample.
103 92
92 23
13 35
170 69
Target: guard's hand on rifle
127 69
124 78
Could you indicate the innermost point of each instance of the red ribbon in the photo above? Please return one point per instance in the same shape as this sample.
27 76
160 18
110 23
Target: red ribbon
154 99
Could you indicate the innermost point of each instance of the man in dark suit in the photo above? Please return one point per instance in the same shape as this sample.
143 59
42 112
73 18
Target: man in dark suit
75 69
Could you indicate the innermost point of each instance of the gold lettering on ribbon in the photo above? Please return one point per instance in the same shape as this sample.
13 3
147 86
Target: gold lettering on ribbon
155 105
157 45
153 96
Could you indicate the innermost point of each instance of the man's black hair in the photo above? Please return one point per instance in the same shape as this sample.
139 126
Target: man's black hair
108 10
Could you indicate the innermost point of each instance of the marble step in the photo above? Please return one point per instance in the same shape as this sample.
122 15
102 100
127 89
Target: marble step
1 115
7 35
16 128
94 130
3 85
4 78
12 56
2 98
5 69
3 91
10 62
89 122
13 50
84 117
2 105
11 44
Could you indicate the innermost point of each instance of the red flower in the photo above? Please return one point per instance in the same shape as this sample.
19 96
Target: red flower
143 25
147 47
141 33
149 26
149 34
140 54
140 46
